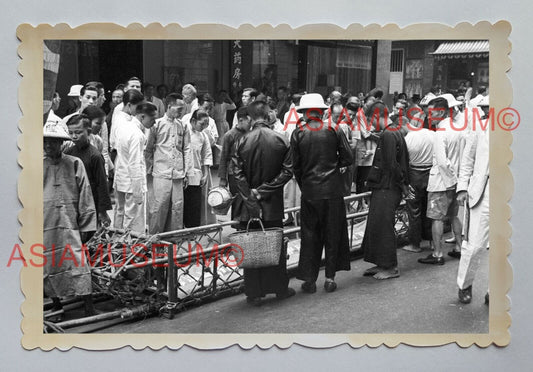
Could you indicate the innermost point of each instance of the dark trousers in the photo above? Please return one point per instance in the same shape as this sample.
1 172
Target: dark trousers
323 225
419 224
237 204
272 279
379 243
347 178
192 206
362 175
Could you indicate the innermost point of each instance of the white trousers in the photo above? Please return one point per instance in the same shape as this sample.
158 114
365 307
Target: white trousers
166 205
128 214
478 241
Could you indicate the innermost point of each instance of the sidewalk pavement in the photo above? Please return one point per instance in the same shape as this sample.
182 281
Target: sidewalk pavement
422 300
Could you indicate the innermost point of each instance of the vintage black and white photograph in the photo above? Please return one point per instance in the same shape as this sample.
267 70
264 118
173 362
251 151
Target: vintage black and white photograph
227 186
266 186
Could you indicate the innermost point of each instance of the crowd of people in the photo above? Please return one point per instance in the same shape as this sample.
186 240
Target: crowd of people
151 157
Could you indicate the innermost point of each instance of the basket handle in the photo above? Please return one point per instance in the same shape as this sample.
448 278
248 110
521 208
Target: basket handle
255 219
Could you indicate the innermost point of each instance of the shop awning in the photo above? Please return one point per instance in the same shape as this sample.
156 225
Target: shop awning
463 49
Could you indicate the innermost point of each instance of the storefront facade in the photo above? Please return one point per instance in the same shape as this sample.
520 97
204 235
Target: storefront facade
460 61
299 65
418 66
350 66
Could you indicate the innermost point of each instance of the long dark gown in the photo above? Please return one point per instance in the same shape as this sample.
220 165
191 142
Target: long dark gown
390 171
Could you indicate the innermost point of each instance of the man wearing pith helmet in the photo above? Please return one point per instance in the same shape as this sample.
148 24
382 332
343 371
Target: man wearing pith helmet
320 156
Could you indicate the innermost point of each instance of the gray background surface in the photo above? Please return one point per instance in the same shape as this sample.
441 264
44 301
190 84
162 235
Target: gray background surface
516 357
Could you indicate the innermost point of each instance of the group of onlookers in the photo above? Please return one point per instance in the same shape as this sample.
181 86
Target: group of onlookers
154 155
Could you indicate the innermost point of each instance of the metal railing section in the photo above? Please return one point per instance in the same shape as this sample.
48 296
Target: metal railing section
196 262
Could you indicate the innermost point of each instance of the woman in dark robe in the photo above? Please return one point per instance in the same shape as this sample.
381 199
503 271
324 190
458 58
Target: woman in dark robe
388 179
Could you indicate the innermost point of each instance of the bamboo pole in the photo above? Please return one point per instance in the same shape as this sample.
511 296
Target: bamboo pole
123 313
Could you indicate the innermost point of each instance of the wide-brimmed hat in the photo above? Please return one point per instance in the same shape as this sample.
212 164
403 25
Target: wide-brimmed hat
452 102
75 90
54 129
428 97
311 101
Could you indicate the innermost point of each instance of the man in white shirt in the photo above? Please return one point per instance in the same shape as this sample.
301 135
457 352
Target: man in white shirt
419 141
104 131
88 97
132 83
206 104
442 201
130 169
248 96
149 96
473 189
189 96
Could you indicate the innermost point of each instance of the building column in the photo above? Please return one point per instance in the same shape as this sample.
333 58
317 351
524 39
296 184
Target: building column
383 57
153 61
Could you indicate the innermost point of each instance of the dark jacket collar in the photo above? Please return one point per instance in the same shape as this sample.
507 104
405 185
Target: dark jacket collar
260 123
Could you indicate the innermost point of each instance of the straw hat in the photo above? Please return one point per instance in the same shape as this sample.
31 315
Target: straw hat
75 90
54 129
311 100
428 97
452 102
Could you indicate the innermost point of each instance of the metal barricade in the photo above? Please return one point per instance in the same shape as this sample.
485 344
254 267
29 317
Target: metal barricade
197 262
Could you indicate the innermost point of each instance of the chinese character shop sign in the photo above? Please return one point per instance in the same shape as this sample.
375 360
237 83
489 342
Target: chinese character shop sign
236 70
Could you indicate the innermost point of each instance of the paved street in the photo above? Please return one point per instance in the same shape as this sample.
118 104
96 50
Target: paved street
422 300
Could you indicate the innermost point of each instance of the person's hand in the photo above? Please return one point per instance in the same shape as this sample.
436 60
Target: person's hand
367 153
342 170
254 209
408 192
255 194
185 182
138 197
138 194
223 182
461 197
203 180
104 218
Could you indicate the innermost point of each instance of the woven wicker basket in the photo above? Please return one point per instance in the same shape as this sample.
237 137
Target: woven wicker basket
259 248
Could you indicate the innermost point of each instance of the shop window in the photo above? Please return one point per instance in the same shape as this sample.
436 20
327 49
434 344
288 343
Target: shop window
344 68
274 64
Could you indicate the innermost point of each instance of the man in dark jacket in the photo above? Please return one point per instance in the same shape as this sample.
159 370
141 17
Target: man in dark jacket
225 170
261 166
321 154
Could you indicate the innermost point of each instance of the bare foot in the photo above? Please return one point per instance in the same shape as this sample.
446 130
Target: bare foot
372 271
387 274
412 248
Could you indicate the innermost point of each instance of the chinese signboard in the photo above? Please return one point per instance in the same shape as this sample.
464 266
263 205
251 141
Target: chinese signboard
236 65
